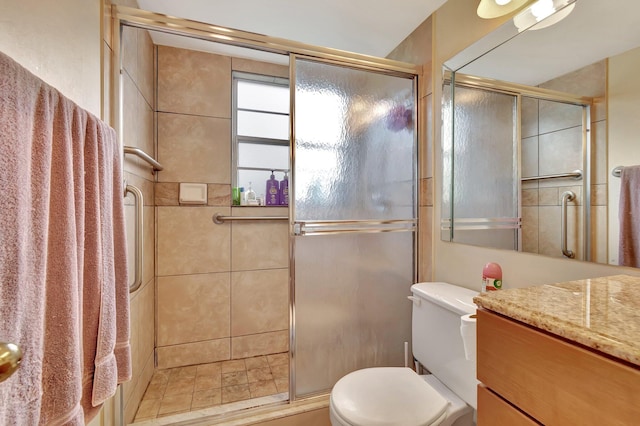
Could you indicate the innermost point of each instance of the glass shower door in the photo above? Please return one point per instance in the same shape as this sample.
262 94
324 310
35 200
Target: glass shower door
354 215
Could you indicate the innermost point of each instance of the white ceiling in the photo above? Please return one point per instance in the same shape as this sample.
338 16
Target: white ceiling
372 27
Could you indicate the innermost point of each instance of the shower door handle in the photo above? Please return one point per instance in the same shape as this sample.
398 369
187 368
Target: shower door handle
566 197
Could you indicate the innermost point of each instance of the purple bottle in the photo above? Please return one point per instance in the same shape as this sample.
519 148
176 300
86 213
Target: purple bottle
272 194
284 191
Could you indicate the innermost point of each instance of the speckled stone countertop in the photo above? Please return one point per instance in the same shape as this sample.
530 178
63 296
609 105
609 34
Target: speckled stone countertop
600 313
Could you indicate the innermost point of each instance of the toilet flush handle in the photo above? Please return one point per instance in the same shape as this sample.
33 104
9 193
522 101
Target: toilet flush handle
415 300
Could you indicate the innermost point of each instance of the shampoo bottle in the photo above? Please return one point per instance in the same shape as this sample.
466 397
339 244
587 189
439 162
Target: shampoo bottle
284 190
273 191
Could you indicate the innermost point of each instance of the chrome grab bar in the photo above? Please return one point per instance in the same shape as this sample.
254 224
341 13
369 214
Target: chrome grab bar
566 197
10 358
219 219
141 154
139 237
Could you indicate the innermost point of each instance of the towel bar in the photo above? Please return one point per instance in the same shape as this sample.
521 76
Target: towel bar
219 219
139 238
146 157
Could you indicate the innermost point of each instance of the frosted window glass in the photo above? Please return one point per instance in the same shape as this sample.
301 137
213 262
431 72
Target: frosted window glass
354 147
263 97
263 156
263 125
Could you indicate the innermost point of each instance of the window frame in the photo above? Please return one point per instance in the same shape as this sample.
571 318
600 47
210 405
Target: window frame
236 139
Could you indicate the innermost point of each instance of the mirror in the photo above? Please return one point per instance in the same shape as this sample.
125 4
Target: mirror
534 124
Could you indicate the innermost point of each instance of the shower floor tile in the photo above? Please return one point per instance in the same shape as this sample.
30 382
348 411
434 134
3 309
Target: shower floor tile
184 389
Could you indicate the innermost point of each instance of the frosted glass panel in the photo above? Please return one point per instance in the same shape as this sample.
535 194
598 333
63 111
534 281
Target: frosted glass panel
354 160
263 97
351 301
485 164
354 152
263 125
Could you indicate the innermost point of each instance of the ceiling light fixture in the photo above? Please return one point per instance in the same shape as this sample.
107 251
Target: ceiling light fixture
489 9
543 13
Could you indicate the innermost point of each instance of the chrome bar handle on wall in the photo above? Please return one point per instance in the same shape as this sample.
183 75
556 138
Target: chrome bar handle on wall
566 197
139 238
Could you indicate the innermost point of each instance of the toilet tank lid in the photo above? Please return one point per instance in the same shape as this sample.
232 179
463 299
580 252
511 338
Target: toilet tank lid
449 296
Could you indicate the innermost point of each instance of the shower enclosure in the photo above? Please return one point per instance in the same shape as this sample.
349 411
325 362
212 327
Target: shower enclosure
351 219
516 168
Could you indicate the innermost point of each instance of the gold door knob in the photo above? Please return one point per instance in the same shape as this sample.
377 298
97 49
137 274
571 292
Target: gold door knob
10 357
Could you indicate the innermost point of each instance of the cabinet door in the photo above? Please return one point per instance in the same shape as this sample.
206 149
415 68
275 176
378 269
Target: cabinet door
554 381
493 410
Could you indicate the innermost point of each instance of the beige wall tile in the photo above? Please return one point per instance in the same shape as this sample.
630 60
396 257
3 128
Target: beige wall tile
193 353
219 195
530 229
148 258
530 159
191 82
599 240
260 344
549 231
529 125
425 243
599 171
556 116
259 301
193 308
257 67
548 196
190 243
530 197
259 245
167 193
194 149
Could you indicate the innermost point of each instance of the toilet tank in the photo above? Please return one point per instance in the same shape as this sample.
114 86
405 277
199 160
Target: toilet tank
437 343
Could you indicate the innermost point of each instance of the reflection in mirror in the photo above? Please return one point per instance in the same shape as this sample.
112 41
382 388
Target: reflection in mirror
530 116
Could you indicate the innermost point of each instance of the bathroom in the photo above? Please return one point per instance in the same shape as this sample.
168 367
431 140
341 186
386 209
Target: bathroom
78 63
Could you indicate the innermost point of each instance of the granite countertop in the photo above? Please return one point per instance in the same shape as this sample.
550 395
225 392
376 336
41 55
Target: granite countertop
600 313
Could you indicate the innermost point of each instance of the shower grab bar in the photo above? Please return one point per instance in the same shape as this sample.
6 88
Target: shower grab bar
146 157
566 197
576 174
219 219
139 236
617 171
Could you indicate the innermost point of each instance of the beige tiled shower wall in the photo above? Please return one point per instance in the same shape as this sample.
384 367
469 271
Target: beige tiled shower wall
552 143
416 49
138 120
223 290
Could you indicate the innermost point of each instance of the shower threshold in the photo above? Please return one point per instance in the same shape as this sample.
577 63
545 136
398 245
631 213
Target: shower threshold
216 388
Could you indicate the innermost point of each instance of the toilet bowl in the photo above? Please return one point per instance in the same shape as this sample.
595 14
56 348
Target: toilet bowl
394 396
398 396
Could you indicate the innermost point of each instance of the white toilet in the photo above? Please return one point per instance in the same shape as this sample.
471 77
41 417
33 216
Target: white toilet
399 396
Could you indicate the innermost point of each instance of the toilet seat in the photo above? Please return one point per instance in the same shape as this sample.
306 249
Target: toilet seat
386 396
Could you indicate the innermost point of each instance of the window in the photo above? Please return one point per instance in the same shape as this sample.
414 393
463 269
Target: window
260 131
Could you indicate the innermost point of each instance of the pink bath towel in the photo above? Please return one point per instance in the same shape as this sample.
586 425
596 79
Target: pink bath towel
63 284
629 213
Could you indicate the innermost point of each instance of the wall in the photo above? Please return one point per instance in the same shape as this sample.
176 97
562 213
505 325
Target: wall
624 127
461 264
57 41
222 289
138 104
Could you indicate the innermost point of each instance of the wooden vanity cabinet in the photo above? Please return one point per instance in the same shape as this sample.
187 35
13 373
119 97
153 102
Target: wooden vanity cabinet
532 377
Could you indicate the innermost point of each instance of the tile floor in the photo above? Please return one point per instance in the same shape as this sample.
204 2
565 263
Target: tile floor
183 389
